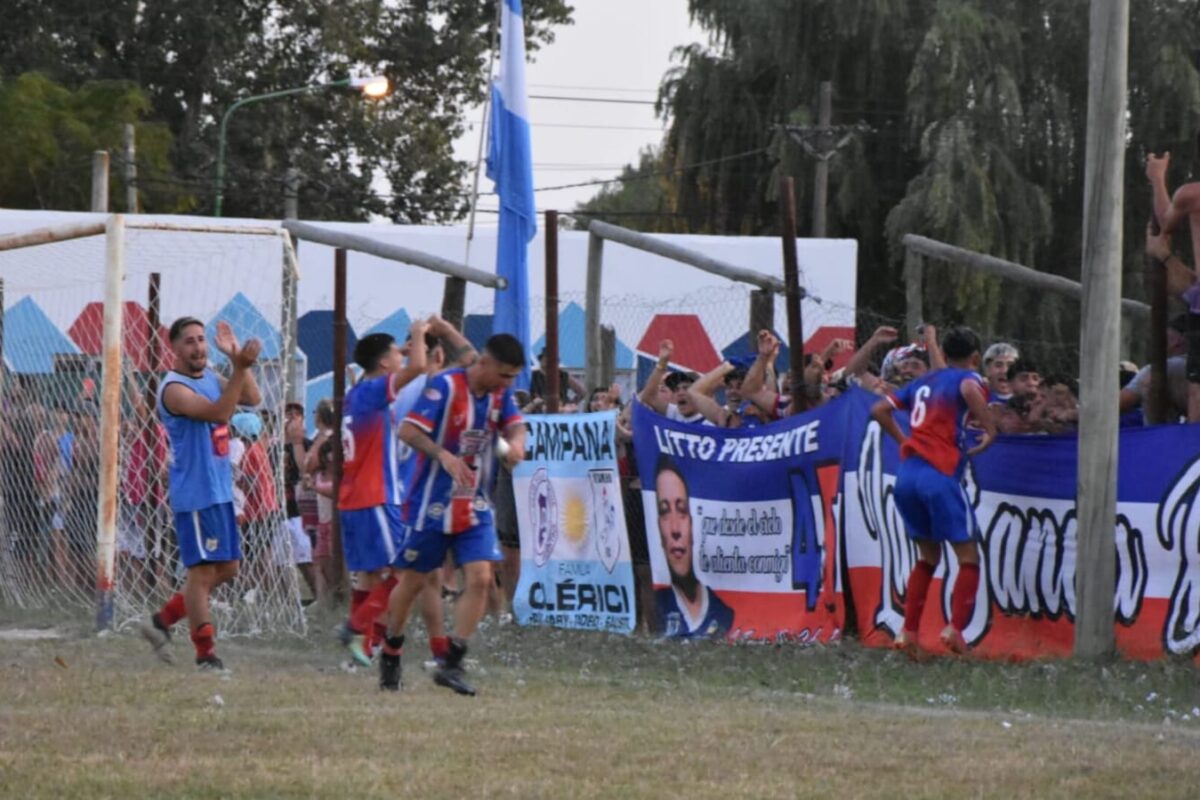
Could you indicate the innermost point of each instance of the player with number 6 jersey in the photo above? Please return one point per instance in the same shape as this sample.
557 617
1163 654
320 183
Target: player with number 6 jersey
929 489
371 491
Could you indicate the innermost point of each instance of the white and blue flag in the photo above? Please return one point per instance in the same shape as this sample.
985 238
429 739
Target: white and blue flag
510 166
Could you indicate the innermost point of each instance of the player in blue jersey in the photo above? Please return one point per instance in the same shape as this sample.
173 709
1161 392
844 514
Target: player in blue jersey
929 489
195 405
453 430
367 605
687 609
371 492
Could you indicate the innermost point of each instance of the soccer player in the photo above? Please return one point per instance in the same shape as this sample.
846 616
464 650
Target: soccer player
195 405
929 492
453 429
371 492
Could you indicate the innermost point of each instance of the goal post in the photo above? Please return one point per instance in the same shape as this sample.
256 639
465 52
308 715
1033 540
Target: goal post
84 513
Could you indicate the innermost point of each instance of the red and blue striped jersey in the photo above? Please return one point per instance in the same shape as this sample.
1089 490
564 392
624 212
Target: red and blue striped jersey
370 476
937 417
466 425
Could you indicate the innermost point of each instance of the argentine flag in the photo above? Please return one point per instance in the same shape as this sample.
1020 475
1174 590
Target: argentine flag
510 166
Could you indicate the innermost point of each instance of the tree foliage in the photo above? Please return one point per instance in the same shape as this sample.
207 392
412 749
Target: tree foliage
193 60
977 110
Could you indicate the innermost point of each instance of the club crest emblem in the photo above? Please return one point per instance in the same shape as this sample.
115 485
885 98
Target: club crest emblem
543 515
603 483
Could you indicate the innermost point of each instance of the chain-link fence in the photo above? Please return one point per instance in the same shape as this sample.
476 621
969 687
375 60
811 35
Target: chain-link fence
54 301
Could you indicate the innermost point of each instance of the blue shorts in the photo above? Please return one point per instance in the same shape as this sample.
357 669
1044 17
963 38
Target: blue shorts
208 535
933 504
371 537
425 551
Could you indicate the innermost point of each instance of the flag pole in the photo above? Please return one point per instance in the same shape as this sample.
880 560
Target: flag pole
483 132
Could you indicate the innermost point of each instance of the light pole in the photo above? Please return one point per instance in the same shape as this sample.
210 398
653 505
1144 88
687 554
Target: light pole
374 86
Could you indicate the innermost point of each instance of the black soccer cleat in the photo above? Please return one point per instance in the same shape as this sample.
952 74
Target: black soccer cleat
210 664
451 673
454 678
389 673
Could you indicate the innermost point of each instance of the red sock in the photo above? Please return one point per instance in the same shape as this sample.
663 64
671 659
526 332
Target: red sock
962 599
914 598
357 596
439 646
173 610
202 639
372 606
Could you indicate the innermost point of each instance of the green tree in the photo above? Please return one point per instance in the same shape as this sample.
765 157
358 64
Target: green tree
51 132
636 199
194 60
977 110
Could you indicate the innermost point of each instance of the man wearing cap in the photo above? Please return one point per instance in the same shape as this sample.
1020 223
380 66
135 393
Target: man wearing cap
675 403
195 405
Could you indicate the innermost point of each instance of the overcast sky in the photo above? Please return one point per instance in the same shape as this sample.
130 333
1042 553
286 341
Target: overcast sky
617 49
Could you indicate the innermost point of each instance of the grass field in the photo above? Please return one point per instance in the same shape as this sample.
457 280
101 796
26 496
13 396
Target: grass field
573 715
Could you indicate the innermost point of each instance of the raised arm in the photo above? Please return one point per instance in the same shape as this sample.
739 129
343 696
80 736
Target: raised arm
701 395
861 360
464 352
649 395
1156 172
754 386
182 401
417 357
227 343
929 336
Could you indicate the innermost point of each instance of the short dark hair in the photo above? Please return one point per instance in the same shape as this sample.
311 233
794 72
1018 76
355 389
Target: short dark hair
506 349
666 464
431 341
736 375
370 349
297 407
960 343
1019 366
675 378
178 325
325 413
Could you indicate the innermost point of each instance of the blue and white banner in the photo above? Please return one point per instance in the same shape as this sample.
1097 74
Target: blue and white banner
510 167
575 565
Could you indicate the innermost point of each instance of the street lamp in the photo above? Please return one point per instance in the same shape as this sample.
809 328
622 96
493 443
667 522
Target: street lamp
372 86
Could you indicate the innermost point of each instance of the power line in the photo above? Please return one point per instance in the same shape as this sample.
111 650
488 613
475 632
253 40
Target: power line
649 176
591 88
617 100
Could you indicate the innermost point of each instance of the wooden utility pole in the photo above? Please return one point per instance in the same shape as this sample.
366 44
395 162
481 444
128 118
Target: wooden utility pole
130 170
1103 196
100 181
821 178
791 280
339 395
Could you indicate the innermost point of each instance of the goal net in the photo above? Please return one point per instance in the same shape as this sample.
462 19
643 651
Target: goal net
54 548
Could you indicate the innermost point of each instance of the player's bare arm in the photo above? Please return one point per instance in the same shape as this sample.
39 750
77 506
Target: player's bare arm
972 392
418 440
464 352
227 343
701 393
754 387
418 356
515 436
881 412
649 395
182 401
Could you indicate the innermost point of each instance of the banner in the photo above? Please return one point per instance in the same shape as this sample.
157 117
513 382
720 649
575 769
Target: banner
741 525
1023 493
575 566
780 517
